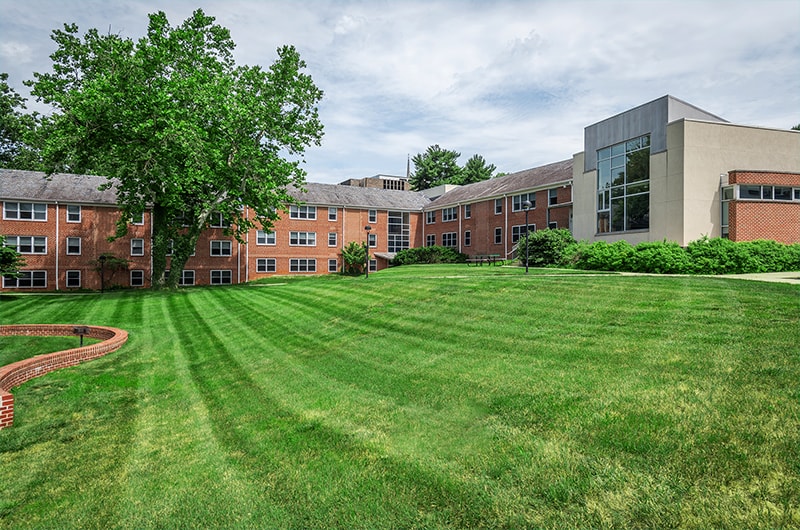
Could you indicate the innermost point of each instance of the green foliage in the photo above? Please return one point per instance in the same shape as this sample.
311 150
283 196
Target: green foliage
703 256
10 260
545 247
354 256
432 254
16 130
476 170
180 126
434 167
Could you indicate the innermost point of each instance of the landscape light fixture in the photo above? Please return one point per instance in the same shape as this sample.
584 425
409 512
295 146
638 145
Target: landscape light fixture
527 205
366 252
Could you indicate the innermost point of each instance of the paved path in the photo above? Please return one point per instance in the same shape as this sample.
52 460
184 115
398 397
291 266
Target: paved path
780 277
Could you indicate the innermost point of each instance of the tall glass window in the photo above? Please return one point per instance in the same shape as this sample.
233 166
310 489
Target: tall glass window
399 231
623 186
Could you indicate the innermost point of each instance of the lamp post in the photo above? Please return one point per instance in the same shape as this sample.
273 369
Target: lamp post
527 205
366 252
102 260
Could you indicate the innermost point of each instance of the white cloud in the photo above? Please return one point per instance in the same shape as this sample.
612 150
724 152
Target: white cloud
515 81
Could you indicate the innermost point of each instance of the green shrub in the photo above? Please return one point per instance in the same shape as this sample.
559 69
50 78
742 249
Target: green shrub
545 247
434 254
602 256
660 257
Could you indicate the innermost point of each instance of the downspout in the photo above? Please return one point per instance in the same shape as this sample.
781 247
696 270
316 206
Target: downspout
505 226
460 232
58 237
247 250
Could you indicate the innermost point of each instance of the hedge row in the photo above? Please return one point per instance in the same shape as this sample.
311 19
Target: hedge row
434 254
704 256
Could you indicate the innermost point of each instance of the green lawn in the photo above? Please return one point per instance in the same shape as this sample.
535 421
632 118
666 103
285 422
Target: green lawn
422 397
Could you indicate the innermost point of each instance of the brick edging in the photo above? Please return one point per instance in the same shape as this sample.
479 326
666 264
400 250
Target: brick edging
17 373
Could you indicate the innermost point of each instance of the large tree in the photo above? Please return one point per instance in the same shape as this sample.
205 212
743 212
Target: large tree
16 126
475 170
179 128
434 167
10 260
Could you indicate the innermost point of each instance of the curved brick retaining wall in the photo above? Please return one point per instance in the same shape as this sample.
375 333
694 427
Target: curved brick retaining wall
20 372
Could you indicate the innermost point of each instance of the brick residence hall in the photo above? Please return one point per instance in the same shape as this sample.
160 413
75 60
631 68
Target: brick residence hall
665 170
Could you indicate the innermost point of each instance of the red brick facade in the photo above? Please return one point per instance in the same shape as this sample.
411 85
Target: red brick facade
764 217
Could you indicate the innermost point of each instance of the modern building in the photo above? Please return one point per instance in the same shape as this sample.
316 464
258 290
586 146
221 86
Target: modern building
665 170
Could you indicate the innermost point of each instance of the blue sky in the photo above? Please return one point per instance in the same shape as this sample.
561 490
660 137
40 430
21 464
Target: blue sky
514 81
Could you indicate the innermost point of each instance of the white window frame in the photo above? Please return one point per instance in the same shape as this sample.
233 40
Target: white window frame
333 213
430 217
31 242
430 240
373 240
185 274
137 219
302 265
498 235
79 245
467 238
221 277
265 238
139 282
373 216
302 239
266 265
453 237
467 211
29 278
135 242
72 283
498 206
302 212
333 265
449 214
38 211
517 201
333 239
518 230
72 216
224 248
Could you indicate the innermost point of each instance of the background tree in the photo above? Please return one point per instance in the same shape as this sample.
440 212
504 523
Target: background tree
178 128
475 170
16 128
434 167
10 260
796 127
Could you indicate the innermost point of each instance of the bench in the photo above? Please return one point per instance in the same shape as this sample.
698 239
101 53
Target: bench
479 259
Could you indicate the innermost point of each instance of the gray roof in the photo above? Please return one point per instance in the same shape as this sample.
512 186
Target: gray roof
514 183
356 197
66 188
62 187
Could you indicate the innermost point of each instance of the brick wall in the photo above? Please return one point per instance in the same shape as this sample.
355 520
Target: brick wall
17 373
764 219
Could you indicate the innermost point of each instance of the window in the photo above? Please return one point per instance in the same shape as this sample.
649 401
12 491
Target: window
137 218
373 265
467 238
449 214
518 201
399 231
430 217
623 186
73 279
302 265
333 265
74 246
137 278
498 206
217 220
187 277
25 211
221 247
303 239
73 213
450 239
519 231
27 280
725 203
552 196
27 244
552 225
302 212
373 216
467 211
265 265
265 238
332 239
373 240
498 236
221 277
768 193
332 213
137 247
430 240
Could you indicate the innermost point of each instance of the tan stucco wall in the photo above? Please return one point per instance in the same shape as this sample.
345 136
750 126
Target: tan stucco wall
685 180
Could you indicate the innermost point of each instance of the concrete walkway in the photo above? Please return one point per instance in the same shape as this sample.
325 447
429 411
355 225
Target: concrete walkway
780 277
